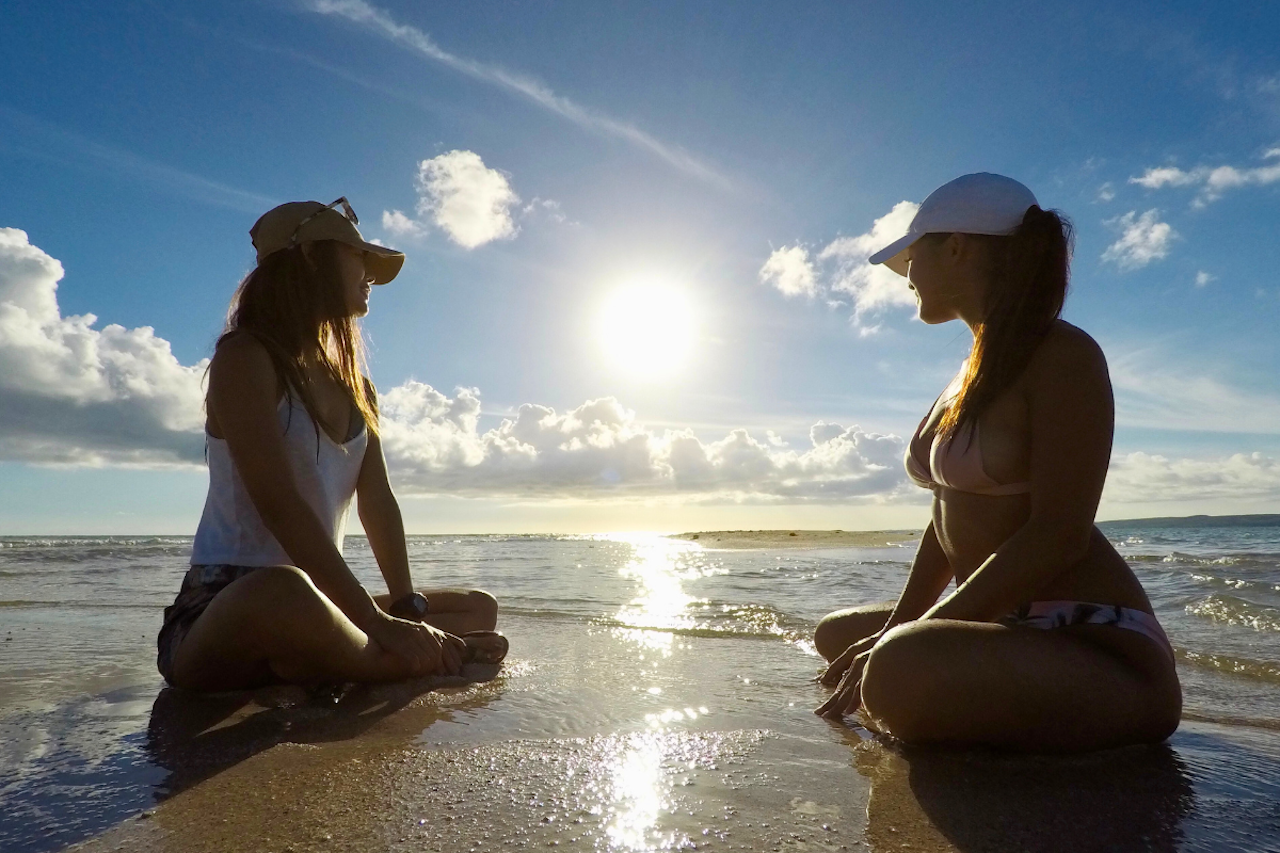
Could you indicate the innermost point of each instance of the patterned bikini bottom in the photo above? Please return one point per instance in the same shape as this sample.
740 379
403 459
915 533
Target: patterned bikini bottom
1060 614
199 587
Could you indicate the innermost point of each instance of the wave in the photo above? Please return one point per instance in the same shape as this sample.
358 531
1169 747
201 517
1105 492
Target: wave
1225 720
1236 583
1237 611
78 605
1259 559
714 619
36 542
1261 670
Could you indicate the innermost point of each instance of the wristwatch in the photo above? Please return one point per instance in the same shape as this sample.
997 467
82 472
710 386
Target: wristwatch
412 607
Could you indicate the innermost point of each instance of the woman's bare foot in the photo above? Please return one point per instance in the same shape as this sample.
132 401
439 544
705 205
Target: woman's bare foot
485 647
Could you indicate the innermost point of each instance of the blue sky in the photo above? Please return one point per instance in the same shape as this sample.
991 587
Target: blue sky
727 162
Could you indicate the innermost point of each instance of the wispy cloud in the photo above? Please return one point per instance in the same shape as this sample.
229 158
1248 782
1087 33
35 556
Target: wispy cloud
1212 181
53 143
461 196
1204 278
380 22
840 269
1156 391
1143 239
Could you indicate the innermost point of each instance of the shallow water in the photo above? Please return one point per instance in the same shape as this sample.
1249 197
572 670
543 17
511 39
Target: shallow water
664 661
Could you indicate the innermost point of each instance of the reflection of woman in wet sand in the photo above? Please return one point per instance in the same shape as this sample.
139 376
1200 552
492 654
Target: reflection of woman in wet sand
292 437
1015 451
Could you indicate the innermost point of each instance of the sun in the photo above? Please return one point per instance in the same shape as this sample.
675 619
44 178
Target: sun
646 328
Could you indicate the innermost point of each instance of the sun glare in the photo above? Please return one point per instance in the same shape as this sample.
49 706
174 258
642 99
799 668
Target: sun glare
646 329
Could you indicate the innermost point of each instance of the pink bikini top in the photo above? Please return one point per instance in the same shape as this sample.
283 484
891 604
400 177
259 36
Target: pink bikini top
955 464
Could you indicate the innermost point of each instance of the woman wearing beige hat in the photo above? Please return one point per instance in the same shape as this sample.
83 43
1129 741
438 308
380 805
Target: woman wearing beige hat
292 437
1047 642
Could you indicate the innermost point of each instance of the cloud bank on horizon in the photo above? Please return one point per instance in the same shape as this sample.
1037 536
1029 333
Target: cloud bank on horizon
75 395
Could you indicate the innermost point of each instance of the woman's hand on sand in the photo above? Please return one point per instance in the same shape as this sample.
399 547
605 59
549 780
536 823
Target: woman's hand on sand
426 649
848 695
840 665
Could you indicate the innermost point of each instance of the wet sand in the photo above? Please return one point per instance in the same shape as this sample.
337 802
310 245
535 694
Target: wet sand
744 539
573 751
740 790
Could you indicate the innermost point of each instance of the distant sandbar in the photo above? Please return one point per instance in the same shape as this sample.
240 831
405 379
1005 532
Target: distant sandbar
744 539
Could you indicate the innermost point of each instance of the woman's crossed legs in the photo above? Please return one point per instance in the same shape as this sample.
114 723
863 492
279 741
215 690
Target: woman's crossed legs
1070 689
273 625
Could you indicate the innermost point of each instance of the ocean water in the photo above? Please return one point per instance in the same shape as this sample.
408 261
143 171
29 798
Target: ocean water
612 636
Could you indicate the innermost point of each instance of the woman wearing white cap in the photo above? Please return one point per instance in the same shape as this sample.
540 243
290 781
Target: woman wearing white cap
1048 642
292 436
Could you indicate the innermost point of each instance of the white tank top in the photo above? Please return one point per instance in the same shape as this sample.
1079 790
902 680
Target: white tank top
232 532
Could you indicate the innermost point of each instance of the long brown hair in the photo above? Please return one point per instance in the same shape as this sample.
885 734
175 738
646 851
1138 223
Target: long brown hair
1026 288
295 306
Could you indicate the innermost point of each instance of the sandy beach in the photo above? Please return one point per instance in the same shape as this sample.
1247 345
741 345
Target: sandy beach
658 697
355 778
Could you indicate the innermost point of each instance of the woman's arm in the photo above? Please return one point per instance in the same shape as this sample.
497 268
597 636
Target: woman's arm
929 576
242 402
383 524
1071 417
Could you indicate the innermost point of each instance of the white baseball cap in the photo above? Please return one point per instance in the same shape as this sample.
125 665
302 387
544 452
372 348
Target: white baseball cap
981 203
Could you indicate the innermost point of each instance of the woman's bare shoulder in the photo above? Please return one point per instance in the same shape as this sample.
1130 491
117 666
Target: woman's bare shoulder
240 359
1071 349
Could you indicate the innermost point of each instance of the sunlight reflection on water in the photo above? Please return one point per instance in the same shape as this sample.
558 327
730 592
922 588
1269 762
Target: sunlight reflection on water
660 566
639 794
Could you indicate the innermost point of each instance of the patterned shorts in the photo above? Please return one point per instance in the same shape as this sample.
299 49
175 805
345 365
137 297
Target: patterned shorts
199 587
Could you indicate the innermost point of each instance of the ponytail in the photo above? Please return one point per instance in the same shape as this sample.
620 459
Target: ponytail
1026 290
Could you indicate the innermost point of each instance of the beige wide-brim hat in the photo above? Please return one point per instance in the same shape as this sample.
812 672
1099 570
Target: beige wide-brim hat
298 222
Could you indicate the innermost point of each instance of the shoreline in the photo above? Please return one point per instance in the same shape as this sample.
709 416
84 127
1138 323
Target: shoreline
740 540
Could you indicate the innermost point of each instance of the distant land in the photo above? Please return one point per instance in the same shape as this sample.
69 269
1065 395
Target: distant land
1267 520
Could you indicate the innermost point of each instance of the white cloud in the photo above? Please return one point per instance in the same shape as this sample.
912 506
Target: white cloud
380 22
1146 478
467 200
872 286
457 193
789 270
1143 239
396 223
1203 278
434 445
1213 181
1106 192
73 394
841 268
1165 176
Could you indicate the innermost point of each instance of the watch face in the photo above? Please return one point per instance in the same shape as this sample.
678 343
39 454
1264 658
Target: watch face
414 606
